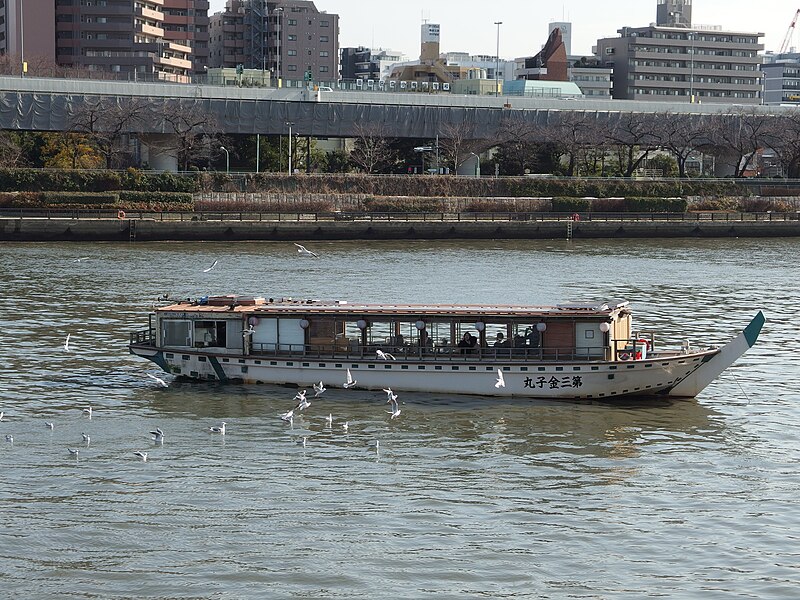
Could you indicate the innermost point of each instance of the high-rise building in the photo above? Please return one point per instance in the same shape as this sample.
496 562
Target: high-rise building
290 38
684 64
365 63
27 32
186 22
119 36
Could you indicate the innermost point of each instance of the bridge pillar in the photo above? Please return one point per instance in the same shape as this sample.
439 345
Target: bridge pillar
158 152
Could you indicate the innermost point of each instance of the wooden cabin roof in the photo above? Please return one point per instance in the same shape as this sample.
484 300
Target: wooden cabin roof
288 306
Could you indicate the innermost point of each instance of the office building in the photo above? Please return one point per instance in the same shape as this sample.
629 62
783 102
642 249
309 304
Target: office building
782 79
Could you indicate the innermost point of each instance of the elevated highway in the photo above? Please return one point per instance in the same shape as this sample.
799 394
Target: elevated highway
43 104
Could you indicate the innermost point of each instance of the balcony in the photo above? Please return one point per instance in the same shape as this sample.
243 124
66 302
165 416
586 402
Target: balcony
145 13
149 30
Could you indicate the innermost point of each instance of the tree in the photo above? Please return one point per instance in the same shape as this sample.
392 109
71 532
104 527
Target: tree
632 135
372 148
680 135
193 131
740 135
457 142
11 151
571 135
784 138
70 151
108 122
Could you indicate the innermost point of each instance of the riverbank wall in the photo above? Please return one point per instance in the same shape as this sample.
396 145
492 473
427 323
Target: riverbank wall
146 230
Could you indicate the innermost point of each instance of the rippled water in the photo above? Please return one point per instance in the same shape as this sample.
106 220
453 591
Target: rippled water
466 497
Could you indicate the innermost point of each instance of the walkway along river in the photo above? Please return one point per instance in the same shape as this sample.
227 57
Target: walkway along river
44 225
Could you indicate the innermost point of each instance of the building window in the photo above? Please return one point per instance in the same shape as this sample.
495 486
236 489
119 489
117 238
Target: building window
292 37
323 38
291 68
324 23
291 52
323 69
324 53
292 21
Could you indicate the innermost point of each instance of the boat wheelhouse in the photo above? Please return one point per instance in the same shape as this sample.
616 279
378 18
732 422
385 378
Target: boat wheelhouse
573 350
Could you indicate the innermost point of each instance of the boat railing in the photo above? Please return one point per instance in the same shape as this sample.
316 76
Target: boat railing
431 354
144 337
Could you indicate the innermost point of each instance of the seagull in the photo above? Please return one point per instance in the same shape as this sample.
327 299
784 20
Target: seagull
384 355
220 429
2 414
86 439
249 331
319 389
302 442
66 344
395 412
288 416
214 264
81 259
303 403
390 395
142 455
350 381
88 411
160 381
346 426
501 381
10 439
305 252
158 435
73 451
49 425
329 421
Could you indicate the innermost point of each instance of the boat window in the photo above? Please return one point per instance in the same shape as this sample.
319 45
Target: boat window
177 333
210 334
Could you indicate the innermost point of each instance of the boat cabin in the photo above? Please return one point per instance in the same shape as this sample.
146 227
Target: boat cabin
237 326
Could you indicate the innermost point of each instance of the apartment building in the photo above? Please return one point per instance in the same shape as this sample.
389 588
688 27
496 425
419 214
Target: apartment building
365 63
290 38
186 23
119 36
782 79
697 64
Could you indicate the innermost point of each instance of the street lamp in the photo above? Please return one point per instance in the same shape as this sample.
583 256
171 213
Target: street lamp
227 159
478 170
497 66
290 124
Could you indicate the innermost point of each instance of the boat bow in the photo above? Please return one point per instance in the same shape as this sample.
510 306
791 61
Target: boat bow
711 368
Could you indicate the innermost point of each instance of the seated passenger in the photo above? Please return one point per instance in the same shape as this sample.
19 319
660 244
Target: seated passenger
467 343
500 341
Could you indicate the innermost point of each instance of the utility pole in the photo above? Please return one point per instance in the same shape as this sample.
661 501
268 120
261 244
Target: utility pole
290 124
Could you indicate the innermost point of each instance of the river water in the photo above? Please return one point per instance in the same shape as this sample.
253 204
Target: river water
465 497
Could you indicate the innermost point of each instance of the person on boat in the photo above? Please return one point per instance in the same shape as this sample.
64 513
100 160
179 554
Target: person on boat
500 341
467 343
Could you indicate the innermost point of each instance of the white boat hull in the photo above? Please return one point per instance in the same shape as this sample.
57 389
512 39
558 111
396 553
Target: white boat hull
575 380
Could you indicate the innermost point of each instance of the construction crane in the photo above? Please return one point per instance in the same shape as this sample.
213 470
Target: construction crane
789 32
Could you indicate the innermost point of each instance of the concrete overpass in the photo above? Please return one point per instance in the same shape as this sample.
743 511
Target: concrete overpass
44 104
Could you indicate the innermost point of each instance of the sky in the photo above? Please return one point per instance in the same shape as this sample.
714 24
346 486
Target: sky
468 25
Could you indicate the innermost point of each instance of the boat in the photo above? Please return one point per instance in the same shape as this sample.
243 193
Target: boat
579 350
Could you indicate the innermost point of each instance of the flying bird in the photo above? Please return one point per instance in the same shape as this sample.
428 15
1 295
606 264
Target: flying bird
73 451
384 355
319 389
88 411
329 421
288 415
66 344
395 412
214 264
346 426
158 380
220 429
501 381
142 455
158 435
249 331
81 259
2 414
350 381
86 439
49 425
302 250
10 439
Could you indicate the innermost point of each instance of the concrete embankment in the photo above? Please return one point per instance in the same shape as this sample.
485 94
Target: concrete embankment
143 230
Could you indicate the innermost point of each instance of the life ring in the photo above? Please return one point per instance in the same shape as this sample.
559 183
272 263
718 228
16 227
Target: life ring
642 354
624 355
120 214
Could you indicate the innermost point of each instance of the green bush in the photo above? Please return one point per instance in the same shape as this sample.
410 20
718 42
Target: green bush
571 205
20 200
86 198
127 198
403 205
